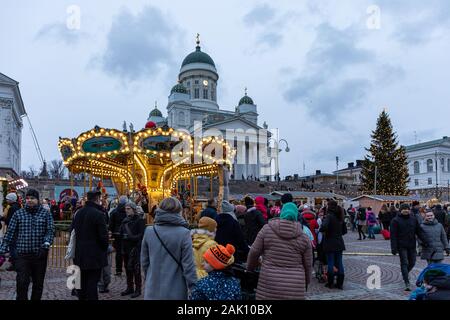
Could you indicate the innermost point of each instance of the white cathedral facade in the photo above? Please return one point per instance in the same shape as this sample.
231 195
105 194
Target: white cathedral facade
11 112
194 100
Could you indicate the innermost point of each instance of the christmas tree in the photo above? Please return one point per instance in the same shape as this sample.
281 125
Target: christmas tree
386 160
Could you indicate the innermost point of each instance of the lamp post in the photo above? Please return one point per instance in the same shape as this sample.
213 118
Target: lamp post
278 150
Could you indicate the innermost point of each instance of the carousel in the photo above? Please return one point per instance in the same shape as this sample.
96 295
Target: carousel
160 161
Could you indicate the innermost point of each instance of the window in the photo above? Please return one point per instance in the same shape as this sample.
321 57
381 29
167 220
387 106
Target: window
196 81
416 182
416 167
430 180
196 93
205 93
448 165
429 165
188 83
213 97
189 92
181 119
442 164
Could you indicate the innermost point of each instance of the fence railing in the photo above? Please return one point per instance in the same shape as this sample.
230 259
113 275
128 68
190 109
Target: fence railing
58 250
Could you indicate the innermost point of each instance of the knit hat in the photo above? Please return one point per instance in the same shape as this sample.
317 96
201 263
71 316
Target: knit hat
32 193
123 200
227 207
286 198
132 205
208 224
11 197
249 202
220 257
404 206
289 211
240 209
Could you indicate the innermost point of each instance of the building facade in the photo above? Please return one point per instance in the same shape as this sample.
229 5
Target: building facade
429 164
193 101
11 112
352 171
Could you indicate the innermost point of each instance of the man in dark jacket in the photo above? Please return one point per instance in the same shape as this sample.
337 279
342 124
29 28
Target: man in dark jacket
415 211
229 231
91 245
210 211
115 221
31 231
404 229
439 214
254 221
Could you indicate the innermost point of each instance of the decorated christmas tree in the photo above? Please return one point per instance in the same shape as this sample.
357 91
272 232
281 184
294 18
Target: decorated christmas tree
386 160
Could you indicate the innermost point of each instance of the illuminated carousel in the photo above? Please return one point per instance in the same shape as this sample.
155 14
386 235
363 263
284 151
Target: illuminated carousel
160 160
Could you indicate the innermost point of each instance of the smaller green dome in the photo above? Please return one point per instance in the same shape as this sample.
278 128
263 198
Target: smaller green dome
246 100
155 113
178 88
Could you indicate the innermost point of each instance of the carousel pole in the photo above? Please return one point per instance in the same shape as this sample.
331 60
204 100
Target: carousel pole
84 183
211 186
90 179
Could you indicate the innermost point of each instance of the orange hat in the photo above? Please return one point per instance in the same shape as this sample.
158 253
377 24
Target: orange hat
220 257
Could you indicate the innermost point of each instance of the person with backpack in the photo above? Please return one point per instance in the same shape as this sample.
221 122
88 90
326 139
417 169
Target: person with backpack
371 222
361 222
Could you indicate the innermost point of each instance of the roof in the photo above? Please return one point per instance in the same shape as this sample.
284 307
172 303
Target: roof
246 100
268 196
5 80
308 194
427 145
198 57
155 113
231 119
179 88
386 197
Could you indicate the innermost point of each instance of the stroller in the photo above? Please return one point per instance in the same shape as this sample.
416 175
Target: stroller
248 279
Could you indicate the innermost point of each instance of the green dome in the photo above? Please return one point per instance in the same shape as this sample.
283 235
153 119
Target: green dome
178 88
246 100
155 113
198 57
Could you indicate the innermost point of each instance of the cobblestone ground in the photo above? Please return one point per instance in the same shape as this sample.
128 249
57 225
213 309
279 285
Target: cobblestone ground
358 257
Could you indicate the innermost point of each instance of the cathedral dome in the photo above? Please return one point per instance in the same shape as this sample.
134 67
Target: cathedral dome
155 113
198 57
246 100
179 88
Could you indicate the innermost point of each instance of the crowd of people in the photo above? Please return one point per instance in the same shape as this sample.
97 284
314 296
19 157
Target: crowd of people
279 244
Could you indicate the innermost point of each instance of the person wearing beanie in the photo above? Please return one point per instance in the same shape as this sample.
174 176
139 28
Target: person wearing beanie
30 232
12 207
404 229
254 220
91 245
229 231
333 229
283 245
202 240
219 284
166 256
115 221
131 233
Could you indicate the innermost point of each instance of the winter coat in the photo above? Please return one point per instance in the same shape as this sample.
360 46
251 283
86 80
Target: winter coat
259 204
310 219
54 209
217 285
371 218
210 212
333 229
13 208
202 240
229 231
416 213
254 221
286 261
361 219
434 235
385 216
116 218
442 289
439 214
131 232
165 279
404 228
91 235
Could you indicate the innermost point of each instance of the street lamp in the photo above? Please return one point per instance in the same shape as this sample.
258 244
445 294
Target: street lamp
277 148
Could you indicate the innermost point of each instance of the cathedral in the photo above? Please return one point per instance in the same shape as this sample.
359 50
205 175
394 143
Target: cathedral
194 99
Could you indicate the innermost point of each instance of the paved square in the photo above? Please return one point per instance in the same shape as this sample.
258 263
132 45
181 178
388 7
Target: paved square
358 257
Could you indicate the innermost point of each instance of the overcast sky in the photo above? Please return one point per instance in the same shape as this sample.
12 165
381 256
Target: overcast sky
320 71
